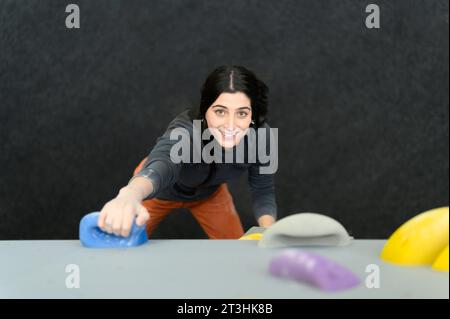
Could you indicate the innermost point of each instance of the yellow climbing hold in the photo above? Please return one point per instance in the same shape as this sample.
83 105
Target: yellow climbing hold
441 263
420 240
254 236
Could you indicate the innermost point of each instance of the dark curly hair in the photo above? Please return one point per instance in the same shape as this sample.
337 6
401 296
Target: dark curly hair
232 79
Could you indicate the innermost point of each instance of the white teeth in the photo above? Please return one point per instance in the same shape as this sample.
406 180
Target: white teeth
229 134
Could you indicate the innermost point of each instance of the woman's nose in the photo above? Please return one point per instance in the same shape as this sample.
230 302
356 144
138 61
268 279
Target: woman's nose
229 125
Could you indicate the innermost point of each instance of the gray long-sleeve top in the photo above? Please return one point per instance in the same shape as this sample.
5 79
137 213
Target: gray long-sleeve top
196 181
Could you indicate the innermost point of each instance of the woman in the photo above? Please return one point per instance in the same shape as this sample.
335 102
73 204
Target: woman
233 100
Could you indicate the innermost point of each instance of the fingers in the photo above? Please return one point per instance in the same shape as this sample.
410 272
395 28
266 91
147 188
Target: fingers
109 220
117 224
127 212
127 223
117 217
102 218
143 216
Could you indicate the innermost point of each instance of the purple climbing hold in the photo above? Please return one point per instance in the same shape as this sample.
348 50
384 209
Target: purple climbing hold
313 269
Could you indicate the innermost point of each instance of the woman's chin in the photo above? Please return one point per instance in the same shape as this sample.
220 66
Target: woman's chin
227 145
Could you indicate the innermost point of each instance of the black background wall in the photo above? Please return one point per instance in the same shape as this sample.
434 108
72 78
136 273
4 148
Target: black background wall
362 113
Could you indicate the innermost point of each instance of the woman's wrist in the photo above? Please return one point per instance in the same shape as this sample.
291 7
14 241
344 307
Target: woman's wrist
266 221
130 192
139 187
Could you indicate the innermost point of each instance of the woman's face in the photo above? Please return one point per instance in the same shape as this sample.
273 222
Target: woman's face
229 117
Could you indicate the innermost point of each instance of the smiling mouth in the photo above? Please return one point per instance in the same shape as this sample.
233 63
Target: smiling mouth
229 136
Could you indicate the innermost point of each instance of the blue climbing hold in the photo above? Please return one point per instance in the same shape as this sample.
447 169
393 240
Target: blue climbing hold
93 237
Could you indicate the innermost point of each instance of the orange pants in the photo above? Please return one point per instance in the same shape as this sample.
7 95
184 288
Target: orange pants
215 214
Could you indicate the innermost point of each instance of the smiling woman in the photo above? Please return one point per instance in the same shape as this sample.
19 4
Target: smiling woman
233 100
227 120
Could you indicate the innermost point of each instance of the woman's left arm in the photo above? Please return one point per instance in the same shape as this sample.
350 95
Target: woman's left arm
263 196
262 185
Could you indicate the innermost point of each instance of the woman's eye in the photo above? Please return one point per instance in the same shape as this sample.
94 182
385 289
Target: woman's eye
242 114
220 112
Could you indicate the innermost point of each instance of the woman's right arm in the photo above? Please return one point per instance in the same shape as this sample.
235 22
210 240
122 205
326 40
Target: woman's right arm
158 173
117 215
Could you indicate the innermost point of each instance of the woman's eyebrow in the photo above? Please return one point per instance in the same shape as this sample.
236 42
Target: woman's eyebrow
218 105
239 108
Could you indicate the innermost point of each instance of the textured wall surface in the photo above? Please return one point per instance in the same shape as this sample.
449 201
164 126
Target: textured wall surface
362 113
